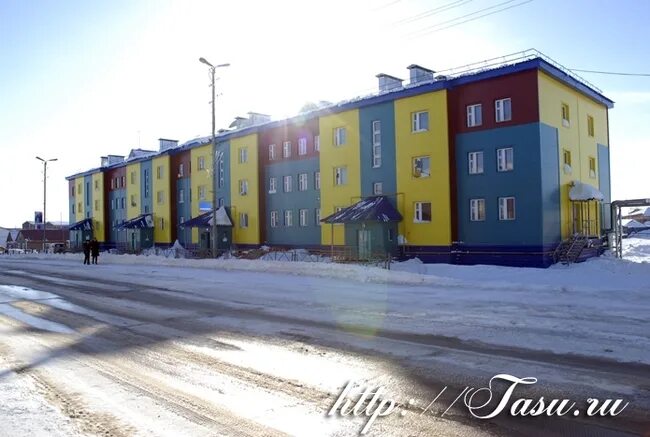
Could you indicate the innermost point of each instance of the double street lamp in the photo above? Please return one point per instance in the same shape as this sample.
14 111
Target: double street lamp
45 161
213 240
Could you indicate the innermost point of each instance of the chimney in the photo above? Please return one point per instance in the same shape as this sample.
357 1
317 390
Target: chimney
104 161
257 118
114 159
419 74
167 144
388 82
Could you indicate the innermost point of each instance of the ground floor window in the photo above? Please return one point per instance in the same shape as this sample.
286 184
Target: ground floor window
506 208
422 212
477 210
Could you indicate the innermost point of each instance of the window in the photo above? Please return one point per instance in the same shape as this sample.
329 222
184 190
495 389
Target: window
302 182
243 220
317 180
181 171
505 159
288 217
302 146
503 110
592 167
200 162
271 152
134 203
477 210
96 205
274 219
474 115
506 208
146 183
273 185
72 191
475 161
182 220
146 209
590 125
566 120
303 217
161 223
317 216
419 121
124 202
220 202
376 144
123 181
288 184
243 155
286 149
96 186
421 167
159 172
243 187
340 175
201 192
317 143
79 189
181 196
566 157
339 136
221 174
422 212
377 188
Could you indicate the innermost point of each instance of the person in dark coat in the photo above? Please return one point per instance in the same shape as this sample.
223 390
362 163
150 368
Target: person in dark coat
94 250
86 248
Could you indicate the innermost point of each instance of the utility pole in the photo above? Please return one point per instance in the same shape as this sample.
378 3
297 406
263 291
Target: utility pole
45 161
213 239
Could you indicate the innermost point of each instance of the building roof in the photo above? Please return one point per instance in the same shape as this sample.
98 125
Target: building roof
205 220
370 209
140 222
37 234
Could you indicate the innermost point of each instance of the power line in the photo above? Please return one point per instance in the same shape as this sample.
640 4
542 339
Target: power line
434 11
615 73
384 6
436 28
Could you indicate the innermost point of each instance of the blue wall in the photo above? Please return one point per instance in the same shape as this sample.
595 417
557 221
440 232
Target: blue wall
295 235
385 174
88 196
604 184
183 210
550 164
524 183
146 202
116 215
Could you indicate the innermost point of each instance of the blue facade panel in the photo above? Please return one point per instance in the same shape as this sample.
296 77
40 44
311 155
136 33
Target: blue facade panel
604 184
523 183
281 201
88 196
550 165
386 171
146 188
117 215
183 210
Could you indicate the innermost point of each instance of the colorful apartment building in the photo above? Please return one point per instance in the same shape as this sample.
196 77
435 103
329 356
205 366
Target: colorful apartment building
483 166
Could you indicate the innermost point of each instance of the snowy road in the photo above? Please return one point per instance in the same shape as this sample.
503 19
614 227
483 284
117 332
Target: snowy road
118 350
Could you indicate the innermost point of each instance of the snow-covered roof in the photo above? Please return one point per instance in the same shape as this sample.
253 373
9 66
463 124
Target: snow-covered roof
582 191
378 209
634 224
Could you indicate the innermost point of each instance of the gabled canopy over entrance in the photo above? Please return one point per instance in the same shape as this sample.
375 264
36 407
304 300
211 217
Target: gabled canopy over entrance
83 225
370 209
205 220
140 222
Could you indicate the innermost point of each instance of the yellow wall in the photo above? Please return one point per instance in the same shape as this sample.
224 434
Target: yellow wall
332 156
552 94
133 190
161 210
250 202
434 189
80 194
199 178
98 214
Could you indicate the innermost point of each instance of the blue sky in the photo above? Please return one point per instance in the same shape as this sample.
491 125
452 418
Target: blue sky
81 79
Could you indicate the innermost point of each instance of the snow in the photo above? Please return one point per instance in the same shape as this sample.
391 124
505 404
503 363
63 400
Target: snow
582 191
634 224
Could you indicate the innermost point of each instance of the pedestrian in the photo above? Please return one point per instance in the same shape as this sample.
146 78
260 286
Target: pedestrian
94 250
86 248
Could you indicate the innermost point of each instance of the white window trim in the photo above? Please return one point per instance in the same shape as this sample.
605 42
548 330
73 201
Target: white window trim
288 218
243 220
243 187
376 143
303 184
473 162
374 188
302 214
287 183
317 180
302 146
416 121
499 110
340 136
472 112
418 211
340 176
474 210
422 175
503 208
502 158
273 185
272 154
317 143
274 219
286 149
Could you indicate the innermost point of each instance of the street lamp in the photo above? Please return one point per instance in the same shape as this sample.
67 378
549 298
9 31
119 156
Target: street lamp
213 240
45 161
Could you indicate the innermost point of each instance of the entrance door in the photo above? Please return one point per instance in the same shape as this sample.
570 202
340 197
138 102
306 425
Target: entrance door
364 243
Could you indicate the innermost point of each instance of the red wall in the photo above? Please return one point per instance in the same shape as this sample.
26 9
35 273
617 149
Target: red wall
290 131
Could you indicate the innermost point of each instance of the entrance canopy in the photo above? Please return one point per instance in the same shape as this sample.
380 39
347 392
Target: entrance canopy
140 222
83 225
370 209
205 220
584 192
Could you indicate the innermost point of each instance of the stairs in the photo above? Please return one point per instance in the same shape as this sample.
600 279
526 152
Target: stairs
569 250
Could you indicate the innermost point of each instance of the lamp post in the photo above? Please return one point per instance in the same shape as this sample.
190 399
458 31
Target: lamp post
213 239
45 161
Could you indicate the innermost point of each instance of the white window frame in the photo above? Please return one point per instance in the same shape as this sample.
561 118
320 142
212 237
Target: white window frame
377 188
201 192
287 183
503 165
417 121
475 162
288 218
286 149
566 118
476 207
181 172
159 172
302 146
273 185
474 115
302 214
418 212
317 143
222 179
340 176
503 110
272 155
160 197
317 216
274 219
243 187
503 208
317 180
200 163
181 197
376 144
302 182
340 136
423 174
243 220
243 155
